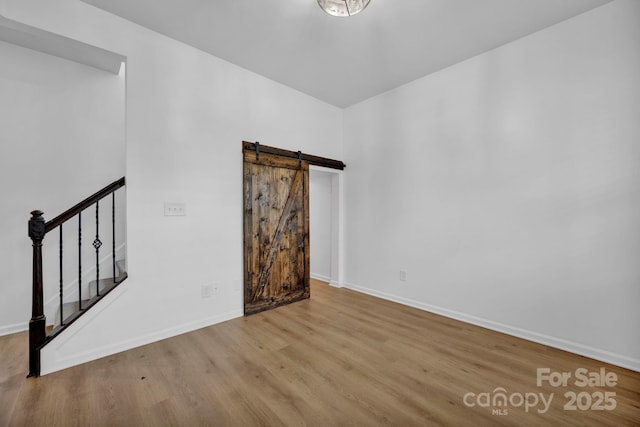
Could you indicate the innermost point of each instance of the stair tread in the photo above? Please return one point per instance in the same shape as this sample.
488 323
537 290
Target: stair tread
72 306
72 303
103 284
107 280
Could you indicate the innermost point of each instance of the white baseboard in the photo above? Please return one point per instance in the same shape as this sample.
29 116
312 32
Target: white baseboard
15 328
128 344
327 279
559 343
320 277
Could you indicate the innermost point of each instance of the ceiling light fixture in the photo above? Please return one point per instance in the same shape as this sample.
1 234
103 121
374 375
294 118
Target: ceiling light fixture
343 7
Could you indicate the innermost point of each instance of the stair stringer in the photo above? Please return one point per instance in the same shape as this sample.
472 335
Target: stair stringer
48 354
92 335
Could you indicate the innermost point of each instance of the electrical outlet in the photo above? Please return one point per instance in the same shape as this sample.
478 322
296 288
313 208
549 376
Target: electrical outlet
175 209
207 291
403 275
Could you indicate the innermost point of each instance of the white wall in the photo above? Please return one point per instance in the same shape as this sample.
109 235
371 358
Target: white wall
186 115
508 186
62 139
320 224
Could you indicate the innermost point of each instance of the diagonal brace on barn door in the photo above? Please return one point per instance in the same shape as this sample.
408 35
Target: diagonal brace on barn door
274 248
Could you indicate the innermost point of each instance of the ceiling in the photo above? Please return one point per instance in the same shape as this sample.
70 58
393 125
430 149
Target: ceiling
345 60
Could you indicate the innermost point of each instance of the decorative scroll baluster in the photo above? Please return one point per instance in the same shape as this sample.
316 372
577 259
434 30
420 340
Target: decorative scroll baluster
113 234
37 324
79 260
61 280
96 244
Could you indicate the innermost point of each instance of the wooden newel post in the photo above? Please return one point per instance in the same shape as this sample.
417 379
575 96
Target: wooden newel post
37 324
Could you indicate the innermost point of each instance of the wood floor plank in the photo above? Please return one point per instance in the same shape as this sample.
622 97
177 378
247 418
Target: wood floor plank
340 358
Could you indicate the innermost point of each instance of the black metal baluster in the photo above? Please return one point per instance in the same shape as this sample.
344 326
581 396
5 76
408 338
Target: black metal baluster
96 244
79 260
113 234
61 280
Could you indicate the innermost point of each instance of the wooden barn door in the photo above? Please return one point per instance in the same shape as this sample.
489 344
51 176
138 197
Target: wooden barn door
276 230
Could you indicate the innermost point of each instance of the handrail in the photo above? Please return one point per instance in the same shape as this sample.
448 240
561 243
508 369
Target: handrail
70 213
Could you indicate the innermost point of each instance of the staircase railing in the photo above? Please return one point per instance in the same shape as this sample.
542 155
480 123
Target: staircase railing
38 228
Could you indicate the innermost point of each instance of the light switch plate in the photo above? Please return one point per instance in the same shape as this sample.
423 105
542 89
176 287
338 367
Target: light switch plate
175 209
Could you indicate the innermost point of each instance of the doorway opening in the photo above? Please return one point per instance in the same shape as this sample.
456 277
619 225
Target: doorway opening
326 224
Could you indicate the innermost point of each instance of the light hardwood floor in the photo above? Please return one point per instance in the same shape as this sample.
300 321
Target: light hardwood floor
340 358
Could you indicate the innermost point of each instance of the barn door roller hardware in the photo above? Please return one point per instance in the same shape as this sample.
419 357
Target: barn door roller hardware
313 160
